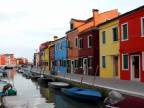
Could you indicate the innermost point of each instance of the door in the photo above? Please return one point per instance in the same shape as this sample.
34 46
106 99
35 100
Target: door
135 67
115 66
72 66
85 66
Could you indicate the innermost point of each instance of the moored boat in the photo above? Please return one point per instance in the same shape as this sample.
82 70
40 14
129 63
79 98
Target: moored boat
58 84
83 94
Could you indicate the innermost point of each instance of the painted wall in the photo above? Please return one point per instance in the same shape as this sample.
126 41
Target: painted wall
93 52
72 50
61 54
109 49
135 43
51 54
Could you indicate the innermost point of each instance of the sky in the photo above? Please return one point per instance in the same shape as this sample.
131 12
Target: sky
25 24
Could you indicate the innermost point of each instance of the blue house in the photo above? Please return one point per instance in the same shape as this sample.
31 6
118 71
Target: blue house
61 55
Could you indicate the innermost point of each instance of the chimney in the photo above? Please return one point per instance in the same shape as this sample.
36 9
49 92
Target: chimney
55 38
95 15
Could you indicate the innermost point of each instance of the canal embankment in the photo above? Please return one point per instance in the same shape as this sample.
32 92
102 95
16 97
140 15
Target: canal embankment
132 88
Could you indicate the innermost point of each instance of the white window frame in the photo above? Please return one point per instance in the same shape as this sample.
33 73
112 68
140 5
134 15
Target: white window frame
113 33
122 31
142 32
143 60
88 41
123 61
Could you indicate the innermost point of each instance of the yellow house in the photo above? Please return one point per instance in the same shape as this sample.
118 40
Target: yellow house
46 59
109 49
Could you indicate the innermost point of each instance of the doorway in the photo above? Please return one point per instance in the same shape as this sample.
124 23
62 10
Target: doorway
72 66
85 66
115 66
135 67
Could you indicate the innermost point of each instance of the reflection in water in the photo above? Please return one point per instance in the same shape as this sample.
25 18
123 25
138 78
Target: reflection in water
31 89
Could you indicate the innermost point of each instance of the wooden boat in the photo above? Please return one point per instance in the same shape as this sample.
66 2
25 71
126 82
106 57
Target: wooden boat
58 84
82 94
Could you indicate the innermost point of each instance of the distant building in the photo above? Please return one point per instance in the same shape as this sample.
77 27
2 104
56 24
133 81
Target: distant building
2 59
44 56
36 59
51 58
21 61
10 60
7 59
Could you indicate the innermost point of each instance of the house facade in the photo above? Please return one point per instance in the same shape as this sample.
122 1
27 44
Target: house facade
51 57
36 59
72 38
132 45
109 49
44 56
60 55
89 41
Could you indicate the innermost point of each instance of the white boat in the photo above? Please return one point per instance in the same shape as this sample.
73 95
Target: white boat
58 84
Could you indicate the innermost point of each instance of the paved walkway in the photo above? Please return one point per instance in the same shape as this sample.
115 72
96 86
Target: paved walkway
128 87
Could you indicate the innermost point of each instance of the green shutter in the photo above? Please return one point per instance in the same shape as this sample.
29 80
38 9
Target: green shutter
125 61
125 33
115 34
103 61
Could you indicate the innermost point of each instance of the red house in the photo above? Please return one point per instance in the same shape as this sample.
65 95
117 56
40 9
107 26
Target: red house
2 59
131 26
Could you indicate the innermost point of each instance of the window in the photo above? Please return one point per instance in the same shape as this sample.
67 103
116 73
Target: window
103 37
64 63
71 26
103 61
76 63
80 43
125 62
142 26
115 33
125 31
80 62
90 62
143 60
76 42
90 42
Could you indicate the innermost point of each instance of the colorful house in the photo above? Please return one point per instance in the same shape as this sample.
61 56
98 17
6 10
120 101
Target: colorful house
132 45
109 49
2 60
88 36
60 55
44 56
72 38
51 57
36 59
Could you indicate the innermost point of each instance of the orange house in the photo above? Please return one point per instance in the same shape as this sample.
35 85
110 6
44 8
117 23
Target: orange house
72 38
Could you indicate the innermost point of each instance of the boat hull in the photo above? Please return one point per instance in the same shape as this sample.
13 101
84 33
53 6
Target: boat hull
82 96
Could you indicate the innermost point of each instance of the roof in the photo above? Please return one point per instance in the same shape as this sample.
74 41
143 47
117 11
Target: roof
122 15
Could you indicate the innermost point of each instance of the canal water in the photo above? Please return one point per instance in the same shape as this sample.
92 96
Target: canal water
27 88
